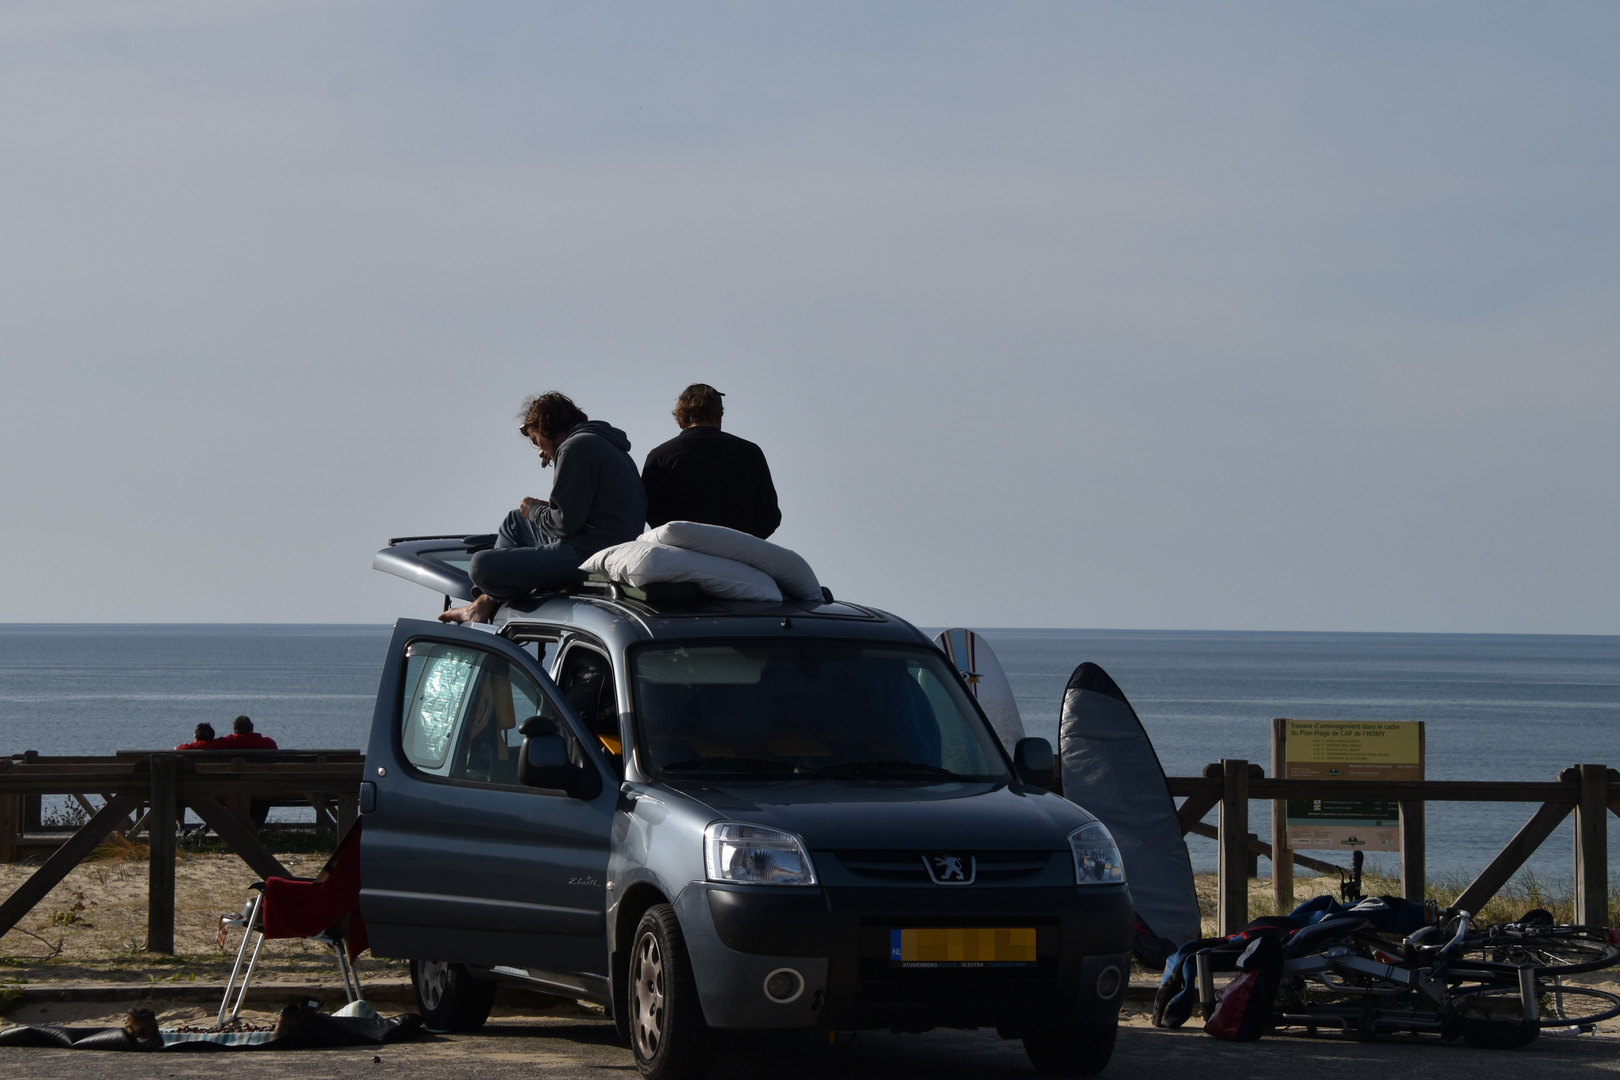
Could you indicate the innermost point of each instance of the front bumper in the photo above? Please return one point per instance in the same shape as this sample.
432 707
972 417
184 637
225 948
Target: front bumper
838 939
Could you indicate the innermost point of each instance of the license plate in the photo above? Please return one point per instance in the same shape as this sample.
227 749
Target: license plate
939 947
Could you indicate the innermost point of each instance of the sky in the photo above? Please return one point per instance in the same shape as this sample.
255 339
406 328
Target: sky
1193 316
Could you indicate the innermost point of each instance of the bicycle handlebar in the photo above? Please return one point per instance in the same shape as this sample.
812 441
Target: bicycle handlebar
1464 924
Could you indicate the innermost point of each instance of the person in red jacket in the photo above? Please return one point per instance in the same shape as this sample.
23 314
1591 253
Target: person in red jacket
242 737
200 738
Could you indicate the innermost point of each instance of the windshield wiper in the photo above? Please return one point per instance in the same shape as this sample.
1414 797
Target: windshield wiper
754 765
880 768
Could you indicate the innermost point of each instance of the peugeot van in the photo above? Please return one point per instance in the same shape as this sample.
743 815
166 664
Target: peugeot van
711 816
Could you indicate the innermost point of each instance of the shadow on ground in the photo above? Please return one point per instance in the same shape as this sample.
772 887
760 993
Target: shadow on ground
572 1048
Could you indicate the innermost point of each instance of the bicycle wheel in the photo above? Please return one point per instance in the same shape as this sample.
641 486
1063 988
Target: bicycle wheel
1557 1005
1576 1006
1554 950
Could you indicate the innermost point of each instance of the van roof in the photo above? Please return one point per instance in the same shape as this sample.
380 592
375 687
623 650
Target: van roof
440 564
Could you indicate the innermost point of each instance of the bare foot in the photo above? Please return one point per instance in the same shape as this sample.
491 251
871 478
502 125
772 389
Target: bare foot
480 610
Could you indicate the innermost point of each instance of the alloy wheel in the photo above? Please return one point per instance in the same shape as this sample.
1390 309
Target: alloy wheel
647 997
432 980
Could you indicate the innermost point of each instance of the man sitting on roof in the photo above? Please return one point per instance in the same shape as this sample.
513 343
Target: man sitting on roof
708 475
596 502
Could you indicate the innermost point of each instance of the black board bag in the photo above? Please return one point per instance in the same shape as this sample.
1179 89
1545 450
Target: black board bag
1109 767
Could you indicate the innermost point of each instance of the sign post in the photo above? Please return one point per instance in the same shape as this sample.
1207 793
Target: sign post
1346 750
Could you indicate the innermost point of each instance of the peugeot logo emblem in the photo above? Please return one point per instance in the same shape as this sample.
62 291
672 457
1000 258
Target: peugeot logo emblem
951 869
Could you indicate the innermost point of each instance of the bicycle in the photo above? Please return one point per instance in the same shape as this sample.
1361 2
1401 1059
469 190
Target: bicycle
1496 986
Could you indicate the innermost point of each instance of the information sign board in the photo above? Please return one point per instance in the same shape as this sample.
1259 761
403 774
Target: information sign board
1349 750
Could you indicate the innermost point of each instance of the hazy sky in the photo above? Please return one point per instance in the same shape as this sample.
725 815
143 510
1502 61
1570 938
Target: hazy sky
1286 316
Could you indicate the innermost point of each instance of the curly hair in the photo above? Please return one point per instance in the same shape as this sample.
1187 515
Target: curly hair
551 414
699 404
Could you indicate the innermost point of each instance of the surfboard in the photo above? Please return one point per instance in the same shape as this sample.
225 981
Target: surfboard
980 669
1109 767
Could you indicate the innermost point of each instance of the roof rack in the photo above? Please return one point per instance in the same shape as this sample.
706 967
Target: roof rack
436 536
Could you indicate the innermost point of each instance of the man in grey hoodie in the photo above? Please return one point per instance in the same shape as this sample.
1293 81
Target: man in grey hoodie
596 501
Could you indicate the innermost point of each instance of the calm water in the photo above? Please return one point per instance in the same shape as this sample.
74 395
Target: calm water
1497 707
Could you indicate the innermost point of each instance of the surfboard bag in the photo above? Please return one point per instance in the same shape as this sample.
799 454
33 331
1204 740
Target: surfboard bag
1109 767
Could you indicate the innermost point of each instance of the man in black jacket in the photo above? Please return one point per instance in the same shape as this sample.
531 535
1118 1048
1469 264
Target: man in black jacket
708 476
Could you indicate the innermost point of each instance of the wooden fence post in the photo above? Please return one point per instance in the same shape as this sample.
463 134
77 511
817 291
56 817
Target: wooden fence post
1414 874
33 806
1592 847
1233 912
160 832
10 820
10 826
1414 871
1282 859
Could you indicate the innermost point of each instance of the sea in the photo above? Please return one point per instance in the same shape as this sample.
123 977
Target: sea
1495 706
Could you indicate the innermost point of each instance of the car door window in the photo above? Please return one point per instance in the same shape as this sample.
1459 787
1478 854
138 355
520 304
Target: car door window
463 707
586 679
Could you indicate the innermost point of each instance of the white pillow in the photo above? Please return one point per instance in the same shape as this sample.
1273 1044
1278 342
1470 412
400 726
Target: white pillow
785 567
642 563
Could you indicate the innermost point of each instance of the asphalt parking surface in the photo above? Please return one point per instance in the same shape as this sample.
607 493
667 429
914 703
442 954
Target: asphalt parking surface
574 1048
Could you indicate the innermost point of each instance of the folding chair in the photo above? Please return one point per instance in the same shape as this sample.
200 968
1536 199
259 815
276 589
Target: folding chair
325 908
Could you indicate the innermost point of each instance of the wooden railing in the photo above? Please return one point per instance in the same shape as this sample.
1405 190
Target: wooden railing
149 791
1590 792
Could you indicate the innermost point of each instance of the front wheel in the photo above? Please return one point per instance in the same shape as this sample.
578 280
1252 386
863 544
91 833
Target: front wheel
451 999
1082 1050
668 1034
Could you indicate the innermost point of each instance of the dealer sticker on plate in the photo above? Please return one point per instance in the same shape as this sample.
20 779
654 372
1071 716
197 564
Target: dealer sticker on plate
938 947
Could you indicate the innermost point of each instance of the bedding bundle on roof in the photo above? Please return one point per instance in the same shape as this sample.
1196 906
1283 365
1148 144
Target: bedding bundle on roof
721 562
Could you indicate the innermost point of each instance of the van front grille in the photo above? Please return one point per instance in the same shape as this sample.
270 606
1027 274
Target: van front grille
909 867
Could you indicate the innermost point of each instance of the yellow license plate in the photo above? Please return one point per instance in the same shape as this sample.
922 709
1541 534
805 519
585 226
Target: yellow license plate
956 947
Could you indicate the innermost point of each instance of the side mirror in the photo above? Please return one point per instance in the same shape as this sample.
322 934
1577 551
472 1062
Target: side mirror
548 761
1032 758
545 762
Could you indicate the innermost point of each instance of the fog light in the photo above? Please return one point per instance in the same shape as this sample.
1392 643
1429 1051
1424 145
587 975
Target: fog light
784 985
1108 983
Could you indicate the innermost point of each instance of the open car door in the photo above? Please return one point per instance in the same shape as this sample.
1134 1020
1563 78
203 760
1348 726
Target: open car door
461 860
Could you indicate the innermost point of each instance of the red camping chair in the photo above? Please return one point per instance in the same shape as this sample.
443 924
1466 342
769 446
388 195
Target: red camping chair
325 908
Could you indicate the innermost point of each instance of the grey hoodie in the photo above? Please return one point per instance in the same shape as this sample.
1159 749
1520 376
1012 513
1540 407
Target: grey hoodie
596 497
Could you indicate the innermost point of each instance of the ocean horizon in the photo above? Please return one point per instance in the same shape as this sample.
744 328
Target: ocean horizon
1495 706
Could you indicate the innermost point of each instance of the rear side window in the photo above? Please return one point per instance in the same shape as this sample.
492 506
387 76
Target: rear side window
463 707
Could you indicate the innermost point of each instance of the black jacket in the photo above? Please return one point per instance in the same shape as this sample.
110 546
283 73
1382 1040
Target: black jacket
712 477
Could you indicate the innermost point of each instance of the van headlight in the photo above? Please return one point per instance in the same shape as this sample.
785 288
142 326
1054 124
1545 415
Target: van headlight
755 855
1096 856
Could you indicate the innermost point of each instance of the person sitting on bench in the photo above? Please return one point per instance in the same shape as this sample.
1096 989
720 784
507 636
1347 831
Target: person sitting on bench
596 501
200 738
242 737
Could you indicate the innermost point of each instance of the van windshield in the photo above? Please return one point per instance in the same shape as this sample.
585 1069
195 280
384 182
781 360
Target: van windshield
809 708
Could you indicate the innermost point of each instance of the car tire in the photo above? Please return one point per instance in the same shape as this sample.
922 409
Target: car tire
450 998
668 1035
1081 1050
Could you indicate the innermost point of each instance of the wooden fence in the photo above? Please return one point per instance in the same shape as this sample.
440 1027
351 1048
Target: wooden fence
152 789
1590 792
148 792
